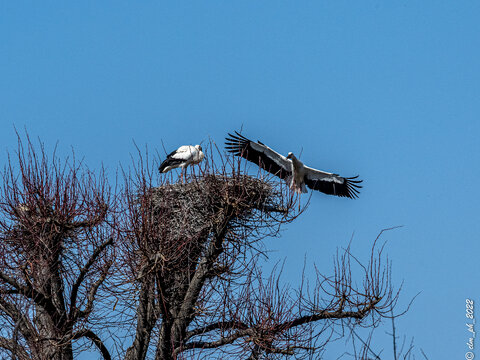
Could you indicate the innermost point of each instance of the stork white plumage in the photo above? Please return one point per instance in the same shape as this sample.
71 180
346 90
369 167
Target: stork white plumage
295 173
181 158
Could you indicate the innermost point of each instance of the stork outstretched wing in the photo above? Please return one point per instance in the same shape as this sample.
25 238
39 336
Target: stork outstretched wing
259 154
332 184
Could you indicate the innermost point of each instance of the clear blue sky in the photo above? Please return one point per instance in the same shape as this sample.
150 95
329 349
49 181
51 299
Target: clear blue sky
388 90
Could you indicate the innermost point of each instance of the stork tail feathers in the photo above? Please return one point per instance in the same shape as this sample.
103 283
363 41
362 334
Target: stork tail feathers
168 163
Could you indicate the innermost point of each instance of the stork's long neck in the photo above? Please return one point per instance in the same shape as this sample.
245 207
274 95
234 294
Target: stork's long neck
296 164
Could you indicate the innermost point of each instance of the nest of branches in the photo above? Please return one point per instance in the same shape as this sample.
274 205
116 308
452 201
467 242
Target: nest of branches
182 217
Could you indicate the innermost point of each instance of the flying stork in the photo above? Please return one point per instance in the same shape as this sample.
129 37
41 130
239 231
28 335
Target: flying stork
295 173
182 157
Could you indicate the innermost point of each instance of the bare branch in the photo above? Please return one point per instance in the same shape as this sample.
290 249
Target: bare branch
16 349
27 291
215 344
33 294
96 341
92 293
23 323
83 273
282 327
223 325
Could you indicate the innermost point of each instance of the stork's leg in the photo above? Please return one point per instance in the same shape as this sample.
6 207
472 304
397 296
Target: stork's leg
298 192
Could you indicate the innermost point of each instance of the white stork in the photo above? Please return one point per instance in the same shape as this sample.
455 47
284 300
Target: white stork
182 157
296 174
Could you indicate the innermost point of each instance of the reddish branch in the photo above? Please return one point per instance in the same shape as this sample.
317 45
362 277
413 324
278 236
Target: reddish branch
16 351
96 341
279 328
81 277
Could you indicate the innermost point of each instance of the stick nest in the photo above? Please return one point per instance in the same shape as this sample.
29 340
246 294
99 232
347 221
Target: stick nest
183 217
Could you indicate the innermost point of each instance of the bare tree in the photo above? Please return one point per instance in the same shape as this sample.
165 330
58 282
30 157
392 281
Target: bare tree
192 252
54 253
165 271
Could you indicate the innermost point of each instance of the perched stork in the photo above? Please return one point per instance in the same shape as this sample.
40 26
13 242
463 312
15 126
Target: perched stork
295 173
182 157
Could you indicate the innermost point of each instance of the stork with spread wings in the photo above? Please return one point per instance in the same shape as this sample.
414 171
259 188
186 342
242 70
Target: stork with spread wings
297 175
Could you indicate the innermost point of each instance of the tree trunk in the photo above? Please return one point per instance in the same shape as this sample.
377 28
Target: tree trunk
146 321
